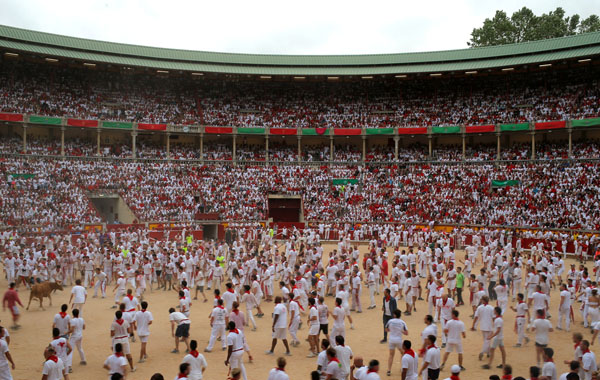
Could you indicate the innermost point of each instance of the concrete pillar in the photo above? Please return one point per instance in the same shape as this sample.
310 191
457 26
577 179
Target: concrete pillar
330 148
533 145
364 148
267 148
396 140
570 142
98 142
201 147
299 148
24 139
133 144
168 146
464 147
498 153
430 146
62 141
234 155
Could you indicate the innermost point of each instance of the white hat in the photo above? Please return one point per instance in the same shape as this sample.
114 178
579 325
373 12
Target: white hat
455 369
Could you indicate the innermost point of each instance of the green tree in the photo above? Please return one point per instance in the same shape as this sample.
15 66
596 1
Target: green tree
524 25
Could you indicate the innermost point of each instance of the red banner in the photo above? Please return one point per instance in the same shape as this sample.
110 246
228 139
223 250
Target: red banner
347 131
152 127
283 131
11 117
480 128
412 131
550 125
218 130
82 123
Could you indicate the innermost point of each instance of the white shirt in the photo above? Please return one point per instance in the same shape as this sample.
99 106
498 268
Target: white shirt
432 356
62 323
455 329
485 315
542 327
549 369
79 293
282 312
197 363
589 364
54 370
411 363
143 318
77 325
499 324
396 327
219 314
115 364
344 353
276 374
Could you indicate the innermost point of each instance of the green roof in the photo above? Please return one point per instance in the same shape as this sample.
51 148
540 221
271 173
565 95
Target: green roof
46 44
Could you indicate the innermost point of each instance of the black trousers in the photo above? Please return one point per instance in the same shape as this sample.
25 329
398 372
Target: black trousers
459 295
386 318
491 290
433 374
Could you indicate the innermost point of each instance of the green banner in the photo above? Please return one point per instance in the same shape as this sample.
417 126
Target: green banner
117 124
514 127
45 120
380 131
586 122
447 130
313 132
496 183
20 175
344 181
251 131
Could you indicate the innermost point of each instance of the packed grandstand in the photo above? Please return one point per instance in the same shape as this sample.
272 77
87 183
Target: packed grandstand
508 145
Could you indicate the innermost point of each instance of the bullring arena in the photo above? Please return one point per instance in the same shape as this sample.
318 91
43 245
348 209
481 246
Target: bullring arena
116 159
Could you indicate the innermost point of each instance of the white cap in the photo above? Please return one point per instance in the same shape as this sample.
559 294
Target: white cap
455 369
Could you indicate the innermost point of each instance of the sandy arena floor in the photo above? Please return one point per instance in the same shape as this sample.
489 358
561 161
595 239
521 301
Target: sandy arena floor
28 343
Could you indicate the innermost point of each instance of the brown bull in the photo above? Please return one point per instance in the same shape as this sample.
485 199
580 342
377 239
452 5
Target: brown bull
39 291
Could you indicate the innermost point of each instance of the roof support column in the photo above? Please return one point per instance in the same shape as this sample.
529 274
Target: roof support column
299 148
62 141
570 142
267 148
533 145
168 146
133 144
430 138
98 141
330 148
201 147
364 149
464 147
498 146
24 138
234 154
396 140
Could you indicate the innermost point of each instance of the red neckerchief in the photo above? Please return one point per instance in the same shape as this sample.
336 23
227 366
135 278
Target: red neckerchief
53 358
387 298
236 311
247 292
444 302
549 360
279 369
182 298
181 376
586 351
230 290
118 354
130 297
576 345
194 353
410 352
455 377
120 321
432 346
217 297
62 315
143 310
335 360
220 307
371 370
235 331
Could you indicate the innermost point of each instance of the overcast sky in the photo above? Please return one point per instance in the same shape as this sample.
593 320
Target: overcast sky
274 26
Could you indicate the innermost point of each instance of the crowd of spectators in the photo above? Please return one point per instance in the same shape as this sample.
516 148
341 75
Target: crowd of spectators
549 194
554 94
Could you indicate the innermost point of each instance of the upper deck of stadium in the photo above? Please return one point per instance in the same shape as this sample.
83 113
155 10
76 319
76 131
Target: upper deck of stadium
564 50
